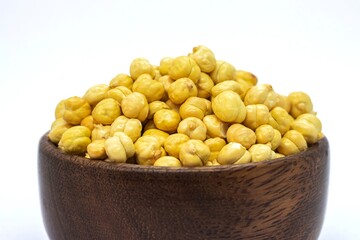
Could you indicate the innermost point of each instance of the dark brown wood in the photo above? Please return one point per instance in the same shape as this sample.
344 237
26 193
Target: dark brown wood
279 199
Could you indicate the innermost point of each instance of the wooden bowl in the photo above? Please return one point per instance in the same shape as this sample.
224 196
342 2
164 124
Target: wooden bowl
279 199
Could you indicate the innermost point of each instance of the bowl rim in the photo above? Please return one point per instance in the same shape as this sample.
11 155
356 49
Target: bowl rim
45 145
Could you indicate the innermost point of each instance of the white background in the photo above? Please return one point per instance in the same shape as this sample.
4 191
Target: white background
50 50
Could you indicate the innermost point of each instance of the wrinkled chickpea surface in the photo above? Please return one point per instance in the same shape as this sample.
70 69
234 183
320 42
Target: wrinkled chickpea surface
191 110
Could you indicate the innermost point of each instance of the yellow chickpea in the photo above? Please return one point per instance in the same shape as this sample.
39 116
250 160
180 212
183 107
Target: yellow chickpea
75 140
121 80
247 76
261 94
215 127
193 127
160 135
261 152
300 103
96 149
205 58
241 134
229 107
135 105
147 150
266 134
96 93
119 148
204 85
88 122
291 143
194 107
100 132
184 67
173 143
153 90
130 126
309 126
167 120
215 145
58 127
106 111
167 161
156 106
223 71
140 66
233 153
256 115
182 89
281 120
194 153
228 85
60 109
76 109
165 64
118 93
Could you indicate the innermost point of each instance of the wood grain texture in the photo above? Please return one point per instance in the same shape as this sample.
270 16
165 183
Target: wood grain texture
279 199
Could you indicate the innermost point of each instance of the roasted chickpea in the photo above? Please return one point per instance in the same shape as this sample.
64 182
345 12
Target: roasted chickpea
96 93
147 150
194 153
261 152
280 120
118 93
106 111
241 134
291 143
121 80
119 147
309 126
100 132
75 110
130 126
140 66
167 161
223 71
182 89
194 107
215 145
184 67
204 85
173 143
233 153
75 140
246 76
193 127
58 127
165 64
229 107
159 134
256 115
96 149
205 58
261 94
135 105
215 127
167 120
266 134
153 90
300 103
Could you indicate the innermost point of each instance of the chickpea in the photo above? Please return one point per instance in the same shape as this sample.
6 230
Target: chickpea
173 143
266 134
88 122
194 153
281 120
228 85
58 127
193 127
246 76
194 107
75 140
96 149
215 145
261 152
119 147
123 80
60 109
165 64
223 71
76 109
215 127
184 67
140 66
147 150
229 107
182 89
204 85
96 93
160 135
118 93
256 115
135 105
106 111
156 106
282 101
205 58
261 94
241 134
173 106
291 143
300 103
149 125
130 126
233 153
167 161
309 126
167 120
153 90
100 132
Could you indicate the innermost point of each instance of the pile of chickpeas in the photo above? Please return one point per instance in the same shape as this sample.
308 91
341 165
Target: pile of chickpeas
192 110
